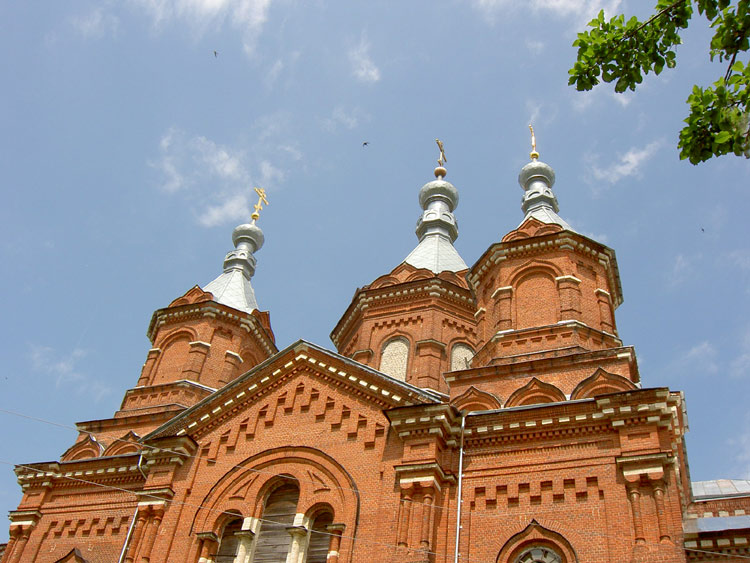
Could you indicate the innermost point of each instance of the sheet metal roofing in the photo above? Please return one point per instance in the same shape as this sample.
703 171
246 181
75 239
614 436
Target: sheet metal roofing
720 488
719 524
233 289
436 253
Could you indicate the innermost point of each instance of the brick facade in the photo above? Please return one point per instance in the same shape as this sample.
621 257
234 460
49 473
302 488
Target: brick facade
512 386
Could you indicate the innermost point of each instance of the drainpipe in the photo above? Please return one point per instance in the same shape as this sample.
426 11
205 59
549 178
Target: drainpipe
460 482
135 517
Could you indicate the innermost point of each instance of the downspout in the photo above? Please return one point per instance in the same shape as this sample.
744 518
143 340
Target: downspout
135 518
460 483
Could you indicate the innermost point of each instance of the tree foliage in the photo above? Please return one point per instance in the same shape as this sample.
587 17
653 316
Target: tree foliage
622 51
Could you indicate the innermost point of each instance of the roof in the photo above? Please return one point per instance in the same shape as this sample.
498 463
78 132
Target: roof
703 490
233 289
717 524
436 252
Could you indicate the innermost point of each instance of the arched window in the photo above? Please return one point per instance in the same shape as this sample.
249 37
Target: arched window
395 358
320 538
229 542
538 554
274 539
461 356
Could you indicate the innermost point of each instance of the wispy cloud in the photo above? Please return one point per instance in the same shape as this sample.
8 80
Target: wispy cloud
628 164
581 11
216 179
534 46
95 24
341 117
248 16
702 355
683 267
64 370
740 444
363 67
740 365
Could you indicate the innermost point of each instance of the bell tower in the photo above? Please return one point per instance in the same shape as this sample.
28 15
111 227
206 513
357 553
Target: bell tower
417 322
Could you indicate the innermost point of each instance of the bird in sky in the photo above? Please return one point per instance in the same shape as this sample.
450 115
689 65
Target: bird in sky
216 54
703 230
366 143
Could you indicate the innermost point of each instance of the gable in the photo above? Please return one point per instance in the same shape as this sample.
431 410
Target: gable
301 378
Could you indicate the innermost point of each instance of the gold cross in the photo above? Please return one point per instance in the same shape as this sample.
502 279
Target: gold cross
441 159
534 155
261 200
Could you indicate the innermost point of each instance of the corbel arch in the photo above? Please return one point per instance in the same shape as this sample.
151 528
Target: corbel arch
535 392
474 399
535 544
601 382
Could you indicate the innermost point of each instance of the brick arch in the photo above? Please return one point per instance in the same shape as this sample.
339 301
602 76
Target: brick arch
87 448
421 274
601 383
535 392
474 399
384 281
171 347
535 296
322 481
391 337
537 535
126 444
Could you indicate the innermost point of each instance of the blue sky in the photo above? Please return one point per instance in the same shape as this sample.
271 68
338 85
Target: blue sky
129 151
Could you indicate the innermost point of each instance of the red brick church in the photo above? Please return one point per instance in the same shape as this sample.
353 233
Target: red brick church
473 414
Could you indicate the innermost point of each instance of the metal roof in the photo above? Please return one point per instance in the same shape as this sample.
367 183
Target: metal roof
717 524
436 252
720 488
233 289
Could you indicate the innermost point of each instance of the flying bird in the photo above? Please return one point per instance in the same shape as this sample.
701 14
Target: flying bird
366 143
703 230
216 54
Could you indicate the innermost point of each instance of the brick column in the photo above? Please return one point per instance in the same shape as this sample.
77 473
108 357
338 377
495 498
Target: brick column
232 361
569 288
148 366
605 311
405 517
136 539
21 537
634 495
153 528
503 297
427 511
196 359
334 545
209 547
661 514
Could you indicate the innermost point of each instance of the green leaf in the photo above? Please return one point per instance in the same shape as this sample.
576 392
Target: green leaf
723 137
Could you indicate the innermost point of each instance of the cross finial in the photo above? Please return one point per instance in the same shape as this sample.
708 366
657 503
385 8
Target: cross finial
261 200
441 158
533 154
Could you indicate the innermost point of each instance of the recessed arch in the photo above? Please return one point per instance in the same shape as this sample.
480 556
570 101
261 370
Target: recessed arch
520 548
601 383
126 444
535 392
474 399
461 356
394 357
85 449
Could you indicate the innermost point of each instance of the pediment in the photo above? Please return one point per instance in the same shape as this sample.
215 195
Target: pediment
602 383
535 392
87 448
532 227
73 556
193 295
474 399
291 381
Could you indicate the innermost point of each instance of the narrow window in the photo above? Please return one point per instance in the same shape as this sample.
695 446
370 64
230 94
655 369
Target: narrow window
229 542
274 540
320 538
395 358
461 356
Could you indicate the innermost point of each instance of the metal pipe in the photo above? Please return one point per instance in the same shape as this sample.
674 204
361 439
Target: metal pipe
460 482
127 537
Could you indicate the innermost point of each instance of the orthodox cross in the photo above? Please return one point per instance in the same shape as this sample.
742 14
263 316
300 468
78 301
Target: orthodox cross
441 159
534 155
261 200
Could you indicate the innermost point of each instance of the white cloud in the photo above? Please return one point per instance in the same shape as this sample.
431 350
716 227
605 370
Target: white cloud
740 259
340 117
627 164
702 355
740 366
248 16
362 65
216 180
682 268
95 24
534 46
63 368
582 11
